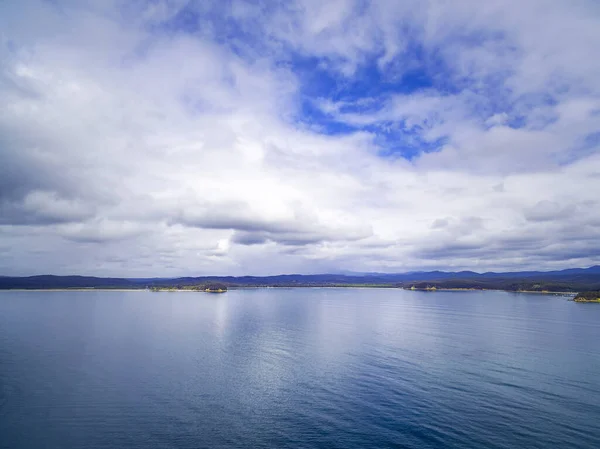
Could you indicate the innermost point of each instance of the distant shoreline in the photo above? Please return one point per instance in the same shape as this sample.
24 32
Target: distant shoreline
548 292
166 290
81 289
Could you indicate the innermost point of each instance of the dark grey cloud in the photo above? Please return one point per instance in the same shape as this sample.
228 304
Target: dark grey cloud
20 172
299 236
40 183
249 238
103 231
233 216
439 223
251 228
524 248
549 210
282 238
43 208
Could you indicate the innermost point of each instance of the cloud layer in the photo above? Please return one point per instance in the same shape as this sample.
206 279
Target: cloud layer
166 137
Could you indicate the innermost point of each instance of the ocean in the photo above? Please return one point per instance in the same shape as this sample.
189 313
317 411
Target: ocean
298 368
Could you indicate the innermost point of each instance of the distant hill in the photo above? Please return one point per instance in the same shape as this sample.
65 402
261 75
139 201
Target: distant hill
49 281
575 279
438 275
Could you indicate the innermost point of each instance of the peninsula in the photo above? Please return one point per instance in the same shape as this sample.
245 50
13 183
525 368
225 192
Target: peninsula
587 297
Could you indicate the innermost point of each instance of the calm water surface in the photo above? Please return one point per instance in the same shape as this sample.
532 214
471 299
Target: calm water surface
311 368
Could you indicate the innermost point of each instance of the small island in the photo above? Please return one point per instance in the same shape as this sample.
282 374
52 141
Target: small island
211 287
215 288
587 297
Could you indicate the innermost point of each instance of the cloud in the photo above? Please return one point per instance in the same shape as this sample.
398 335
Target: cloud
40 207
101 231
194 137
549 211
296 226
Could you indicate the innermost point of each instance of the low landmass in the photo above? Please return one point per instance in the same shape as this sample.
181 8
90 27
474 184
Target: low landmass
593 296
207 288
563 281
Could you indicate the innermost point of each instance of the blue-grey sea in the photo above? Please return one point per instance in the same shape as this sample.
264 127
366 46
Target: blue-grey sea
298 368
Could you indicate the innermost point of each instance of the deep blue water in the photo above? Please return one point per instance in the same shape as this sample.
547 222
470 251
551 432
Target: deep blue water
311 368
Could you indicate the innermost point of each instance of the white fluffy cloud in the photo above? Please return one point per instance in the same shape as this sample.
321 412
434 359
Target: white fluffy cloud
169 138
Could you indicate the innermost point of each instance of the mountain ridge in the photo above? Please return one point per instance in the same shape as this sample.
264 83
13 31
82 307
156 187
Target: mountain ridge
572 279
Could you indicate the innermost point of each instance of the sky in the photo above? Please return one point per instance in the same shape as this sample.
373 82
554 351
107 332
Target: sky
229 137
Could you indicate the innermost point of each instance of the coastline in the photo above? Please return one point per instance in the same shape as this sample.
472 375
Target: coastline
81 289
171 290
545 292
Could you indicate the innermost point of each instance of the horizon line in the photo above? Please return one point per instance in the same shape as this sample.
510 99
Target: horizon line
346 274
